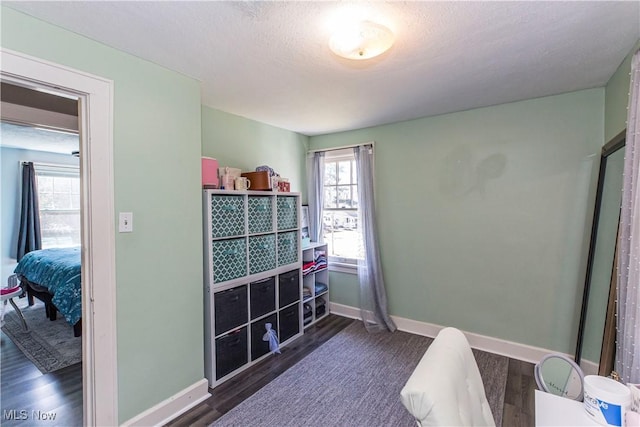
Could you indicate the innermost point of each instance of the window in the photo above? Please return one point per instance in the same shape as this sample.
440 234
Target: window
59 204
340 211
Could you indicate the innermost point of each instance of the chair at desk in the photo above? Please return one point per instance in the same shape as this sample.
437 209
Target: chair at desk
7 295
446 389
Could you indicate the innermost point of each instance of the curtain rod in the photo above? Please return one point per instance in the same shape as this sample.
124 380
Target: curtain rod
342 147
53 165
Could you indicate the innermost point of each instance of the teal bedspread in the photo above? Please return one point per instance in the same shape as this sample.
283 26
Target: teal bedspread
58 270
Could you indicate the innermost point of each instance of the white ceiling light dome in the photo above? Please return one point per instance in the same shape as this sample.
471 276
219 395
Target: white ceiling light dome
363 40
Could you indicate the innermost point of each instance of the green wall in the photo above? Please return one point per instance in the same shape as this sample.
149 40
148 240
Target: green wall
239 142
344 288
616 99
483 215
157 177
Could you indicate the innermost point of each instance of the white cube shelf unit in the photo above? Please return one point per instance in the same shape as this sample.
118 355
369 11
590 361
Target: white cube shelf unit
315 282
252 276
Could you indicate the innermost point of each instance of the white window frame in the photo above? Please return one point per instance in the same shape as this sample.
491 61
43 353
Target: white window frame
341 264
57 170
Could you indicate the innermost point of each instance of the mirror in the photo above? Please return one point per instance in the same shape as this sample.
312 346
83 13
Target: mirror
598 281
559 375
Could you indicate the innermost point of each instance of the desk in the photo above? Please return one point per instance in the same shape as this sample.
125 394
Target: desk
552 410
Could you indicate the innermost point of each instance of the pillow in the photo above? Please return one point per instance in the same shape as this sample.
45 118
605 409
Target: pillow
446 389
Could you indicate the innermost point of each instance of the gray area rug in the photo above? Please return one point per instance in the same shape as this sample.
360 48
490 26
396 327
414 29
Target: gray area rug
354 379
50 345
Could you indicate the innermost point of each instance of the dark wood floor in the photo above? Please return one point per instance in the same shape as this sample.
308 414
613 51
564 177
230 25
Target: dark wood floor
29 397
24 388
519 398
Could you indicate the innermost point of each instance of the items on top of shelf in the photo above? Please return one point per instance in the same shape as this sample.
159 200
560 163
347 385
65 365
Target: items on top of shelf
272 175
228 176
242 183
259 180
283 185
306 293
265 168
209 172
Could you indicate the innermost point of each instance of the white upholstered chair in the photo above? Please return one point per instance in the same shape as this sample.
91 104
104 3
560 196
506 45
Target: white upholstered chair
446 389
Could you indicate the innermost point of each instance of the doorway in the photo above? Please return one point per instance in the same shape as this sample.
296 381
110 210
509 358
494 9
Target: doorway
95 94
40 142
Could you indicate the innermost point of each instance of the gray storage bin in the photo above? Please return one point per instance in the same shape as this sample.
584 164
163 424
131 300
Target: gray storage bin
230 308
263 297
259 347
289 322
231 352
288 287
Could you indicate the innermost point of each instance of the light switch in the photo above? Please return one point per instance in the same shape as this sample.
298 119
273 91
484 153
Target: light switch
126 222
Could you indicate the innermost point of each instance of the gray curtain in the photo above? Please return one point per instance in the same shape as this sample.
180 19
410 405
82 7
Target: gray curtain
29 238
373 296
628 316
315 192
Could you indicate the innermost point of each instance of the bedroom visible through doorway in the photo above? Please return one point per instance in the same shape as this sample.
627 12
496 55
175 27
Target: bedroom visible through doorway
40 130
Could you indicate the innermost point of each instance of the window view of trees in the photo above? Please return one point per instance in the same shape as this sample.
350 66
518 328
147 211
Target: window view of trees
340 218
59 204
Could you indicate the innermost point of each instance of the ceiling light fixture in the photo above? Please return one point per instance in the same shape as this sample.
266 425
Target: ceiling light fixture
365 40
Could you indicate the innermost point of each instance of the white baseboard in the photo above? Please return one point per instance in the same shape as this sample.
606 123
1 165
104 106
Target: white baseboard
510 349
345 310
172 407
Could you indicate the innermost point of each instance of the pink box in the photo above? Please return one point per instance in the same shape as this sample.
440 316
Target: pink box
209 172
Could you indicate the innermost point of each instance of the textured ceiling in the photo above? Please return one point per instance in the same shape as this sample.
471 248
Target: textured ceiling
32 138
269 61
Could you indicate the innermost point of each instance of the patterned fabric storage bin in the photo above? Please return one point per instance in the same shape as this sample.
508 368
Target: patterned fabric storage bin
287 248
289 322
289 287
260 214
227 216
258 346
263 297
230 308
229 259
231 352
262 253
287 207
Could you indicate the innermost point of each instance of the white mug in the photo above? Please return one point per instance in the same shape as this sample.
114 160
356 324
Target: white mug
242 183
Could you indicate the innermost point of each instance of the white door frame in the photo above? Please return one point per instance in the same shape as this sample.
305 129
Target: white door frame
99 369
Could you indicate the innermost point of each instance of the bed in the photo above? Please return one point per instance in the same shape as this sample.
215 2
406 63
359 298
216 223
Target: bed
53 276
